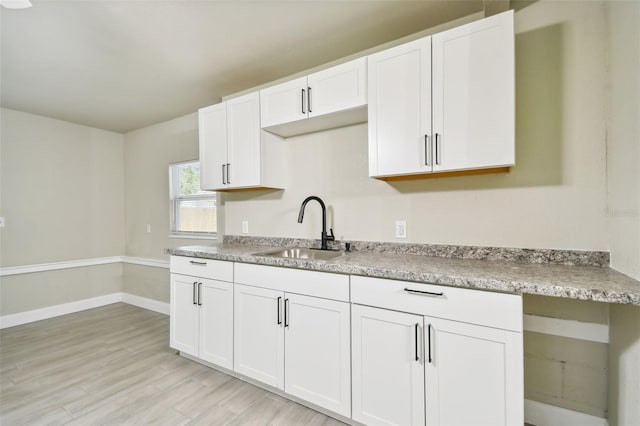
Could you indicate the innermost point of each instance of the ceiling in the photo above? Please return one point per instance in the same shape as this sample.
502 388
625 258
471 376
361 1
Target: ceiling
124 65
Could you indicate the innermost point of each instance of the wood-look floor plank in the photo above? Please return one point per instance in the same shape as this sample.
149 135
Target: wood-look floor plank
112 365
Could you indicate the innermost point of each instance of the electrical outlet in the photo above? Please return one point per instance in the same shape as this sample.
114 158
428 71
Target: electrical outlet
245 226
401 229
148 228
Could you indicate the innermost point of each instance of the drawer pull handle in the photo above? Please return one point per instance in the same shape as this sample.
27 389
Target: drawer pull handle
199 294
195 301
193 262
425 293
286 312
279 320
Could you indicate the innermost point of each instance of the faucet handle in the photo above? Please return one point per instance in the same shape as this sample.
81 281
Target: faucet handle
331 237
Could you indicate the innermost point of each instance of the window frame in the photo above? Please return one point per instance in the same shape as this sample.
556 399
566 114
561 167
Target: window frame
174 205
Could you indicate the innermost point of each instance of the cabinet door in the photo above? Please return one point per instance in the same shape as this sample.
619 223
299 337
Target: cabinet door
400 109
243 140
284 103
259 335
388 381
338 88
317 356
216 322
212 129
474 375
183 329
473 94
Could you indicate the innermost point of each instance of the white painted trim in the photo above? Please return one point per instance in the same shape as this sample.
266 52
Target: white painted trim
146 262
146 303
27 269
567 328
44 267
540 414
26 317
57 310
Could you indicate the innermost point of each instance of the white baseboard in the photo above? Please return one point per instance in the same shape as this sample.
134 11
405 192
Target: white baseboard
20 318
540 414
146 303
57 310
43 267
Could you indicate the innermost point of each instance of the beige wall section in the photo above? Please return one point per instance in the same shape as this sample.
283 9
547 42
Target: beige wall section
554 194
564 372
146 281
148 153
25 292
623 138
61 190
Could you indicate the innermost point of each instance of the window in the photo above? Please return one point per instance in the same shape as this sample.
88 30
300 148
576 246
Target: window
193 212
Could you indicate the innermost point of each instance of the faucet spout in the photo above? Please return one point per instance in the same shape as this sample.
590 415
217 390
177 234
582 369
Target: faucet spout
324 237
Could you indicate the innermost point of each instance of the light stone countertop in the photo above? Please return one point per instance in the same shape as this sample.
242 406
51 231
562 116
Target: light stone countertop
601 284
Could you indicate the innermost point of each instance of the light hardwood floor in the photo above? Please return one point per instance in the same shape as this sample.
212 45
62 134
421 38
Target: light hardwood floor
113 365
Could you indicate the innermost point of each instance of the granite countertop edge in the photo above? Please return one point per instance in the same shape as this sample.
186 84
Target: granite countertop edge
600 284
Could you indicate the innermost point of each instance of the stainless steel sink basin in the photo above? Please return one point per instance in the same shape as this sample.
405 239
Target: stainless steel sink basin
302 253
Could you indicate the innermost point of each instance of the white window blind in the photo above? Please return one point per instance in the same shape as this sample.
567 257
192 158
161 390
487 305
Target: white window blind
193 211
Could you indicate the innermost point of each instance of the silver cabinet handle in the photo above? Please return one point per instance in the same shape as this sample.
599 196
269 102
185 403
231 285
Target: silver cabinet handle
228 172
223 175
199 294
438 149
424 293
303 111
309 99
426 150
417 326
194 293
193 262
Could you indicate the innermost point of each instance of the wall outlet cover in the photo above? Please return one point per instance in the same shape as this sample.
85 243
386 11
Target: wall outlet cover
245 226
401 229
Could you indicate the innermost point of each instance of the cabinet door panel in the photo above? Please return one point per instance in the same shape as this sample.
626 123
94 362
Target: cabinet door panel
216 322
283 103
317 356
183 330
243 140
475 368
388 382
258 338
473 94
212 133
338 88
400 109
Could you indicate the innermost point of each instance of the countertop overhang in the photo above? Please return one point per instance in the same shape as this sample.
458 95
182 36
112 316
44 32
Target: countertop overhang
600 284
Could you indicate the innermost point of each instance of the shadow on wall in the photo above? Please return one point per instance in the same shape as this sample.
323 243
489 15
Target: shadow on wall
539 121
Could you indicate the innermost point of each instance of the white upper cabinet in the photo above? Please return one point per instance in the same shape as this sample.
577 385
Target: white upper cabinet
212 129
400 109
234 152
327 99
474 95
463 80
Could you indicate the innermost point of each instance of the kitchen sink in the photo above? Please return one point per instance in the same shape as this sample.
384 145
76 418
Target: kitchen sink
302 253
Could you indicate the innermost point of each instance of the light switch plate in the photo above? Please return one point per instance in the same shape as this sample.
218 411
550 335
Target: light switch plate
245 226
401 229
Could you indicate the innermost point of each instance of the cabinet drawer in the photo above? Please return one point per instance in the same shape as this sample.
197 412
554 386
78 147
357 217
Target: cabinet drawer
498 310
310 283
205 268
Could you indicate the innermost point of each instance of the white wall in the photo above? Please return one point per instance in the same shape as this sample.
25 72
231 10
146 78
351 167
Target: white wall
554 197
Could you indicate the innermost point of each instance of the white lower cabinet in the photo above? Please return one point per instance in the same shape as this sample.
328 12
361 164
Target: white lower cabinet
201 318
414 368
388 373
473 374
297 343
